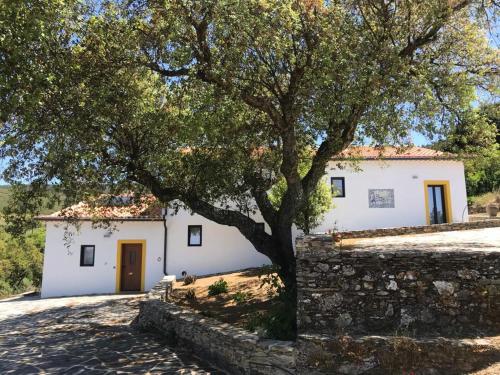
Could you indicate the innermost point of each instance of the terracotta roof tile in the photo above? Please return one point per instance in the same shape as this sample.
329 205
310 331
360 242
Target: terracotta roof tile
116 208
390 152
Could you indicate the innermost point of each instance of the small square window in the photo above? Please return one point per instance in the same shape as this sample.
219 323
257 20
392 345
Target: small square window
194 235
87 254
338 187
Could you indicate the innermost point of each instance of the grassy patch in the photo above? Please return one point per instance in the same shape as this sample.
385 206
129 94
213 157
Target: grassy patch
484 199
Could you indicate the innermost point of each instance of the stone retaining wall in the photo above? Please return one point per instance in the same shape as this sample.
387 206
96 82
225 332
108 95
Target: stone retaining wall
377 311
322 354
362 311
361 291
233 349
490 223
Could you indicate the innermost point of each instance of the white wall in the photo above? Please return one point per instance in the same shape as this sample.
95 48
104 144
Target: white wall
62 274
407 178
223 248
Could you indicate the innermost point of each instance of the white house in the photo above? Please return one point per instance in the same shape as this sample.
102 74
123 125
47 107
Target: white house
383 189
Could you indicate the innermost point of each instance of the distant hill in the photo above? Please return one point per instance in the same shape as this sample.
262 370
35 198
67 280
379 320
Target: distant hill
5 195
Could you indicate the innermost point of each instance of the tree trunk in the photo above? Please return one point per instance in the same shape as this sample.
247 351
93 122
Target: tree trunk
285 258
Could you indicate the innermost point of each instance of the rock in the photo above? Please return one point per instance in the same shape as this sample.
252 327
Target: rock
392 285
332 301
427 317
343 320
367 285
468 274
406 319
444 288
323 267
390 310
358 368
410 275
348 270
368 277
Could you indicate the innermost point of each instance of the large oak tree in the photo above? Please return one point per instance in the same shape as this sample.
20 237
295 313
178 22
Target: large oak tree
209 102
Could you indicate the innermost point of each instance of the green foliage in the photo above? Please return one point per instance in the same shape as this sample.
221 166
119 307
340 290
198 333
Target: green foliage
319 202
219 287
241 297
21 260
86 90
4 195
279 322
210 103
476 137
269 278
482 173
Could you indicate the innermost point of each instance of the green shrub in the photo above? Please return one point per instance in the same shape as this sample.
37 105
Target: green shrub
219 287
21 262
241 297
278 323
5 289
269 277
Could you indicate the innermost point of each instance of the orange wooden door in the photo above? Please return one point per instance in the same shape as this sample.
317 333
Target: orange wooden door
131 267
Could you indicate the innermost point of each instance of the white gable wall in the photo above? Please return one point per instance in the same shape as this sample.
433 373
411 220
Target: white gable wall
223 249
407 178
62 274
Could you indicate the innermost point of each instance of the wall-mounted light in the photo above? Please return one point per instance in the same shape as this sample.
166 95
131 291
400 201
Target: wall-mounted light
108 234
414 177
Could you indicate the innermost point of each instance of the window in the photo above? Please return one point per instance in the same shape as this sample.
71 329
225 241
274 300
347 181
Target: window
194 235
87 253
338 187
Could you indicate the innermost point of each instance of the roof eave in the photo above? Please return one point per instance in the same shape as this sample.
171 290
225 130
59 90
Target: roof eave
58 218
438 158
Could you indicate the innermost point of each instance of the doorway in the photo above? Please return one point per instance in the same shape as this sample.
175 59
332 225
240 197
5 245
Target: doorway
437 202
130 266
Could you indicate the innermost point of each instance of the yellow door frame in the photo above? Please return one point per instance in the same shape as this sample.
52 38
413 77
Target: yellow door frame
447 199
119 262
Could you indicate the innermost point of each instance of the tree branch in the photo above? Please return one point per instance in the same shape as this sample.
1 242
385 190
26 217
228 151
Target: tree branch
432 32
247 226
332 145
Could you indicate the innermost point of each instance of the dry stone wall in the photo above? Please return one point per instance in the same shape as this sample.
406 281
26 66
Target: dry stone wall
358 291
369 233
233 349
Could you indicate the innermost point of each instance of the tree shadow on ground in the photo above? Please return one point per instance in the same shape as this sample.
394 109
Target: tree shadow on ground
89 339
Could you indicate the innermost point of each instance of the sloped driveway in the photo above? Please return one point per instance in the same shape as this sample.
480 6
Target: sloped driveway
84 335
